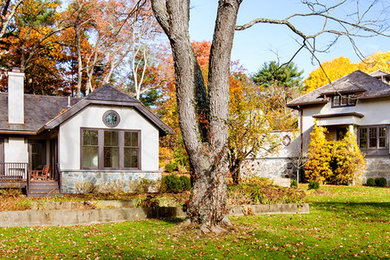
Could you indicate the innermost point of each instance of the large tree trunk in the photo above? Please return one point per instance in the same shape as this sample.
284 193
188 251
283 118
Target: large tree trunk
203 114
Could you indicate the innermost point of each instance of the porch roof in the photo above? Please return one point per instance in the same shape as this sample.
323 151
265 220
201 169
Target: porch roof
339 119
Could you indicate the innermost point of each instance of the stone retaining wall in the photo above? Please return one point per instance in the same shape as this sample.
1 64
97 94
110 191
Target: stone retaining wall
83 181
94 216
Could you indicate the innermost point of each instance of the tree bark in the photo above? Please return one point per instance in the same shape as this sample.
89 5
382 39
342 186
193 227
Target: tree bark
203 114
79 62
235 170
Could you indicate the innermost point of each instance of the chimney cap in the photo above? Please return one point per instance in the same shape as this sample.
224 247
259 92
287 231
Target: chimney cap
15 69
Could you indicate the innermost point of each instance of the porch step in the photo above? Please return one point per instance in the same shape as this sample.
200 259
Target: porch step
43 189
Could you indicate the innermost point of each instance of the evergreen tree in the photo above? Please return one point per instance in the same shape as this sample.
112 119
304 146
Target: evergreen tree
286 76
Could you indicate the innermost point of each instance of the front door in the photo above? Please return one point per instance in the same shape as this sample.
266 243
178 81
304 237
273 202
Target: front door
54 158
37 154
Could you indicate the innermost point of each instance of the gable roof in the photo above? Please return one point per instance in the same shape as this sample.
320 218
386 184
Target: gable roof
357 82
47 112
110 93
379 74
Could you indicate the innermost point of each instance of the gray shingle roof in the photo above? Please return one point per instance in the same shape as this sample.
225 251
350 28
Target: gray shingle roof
357 82
110 93
38 109
379 73
47 112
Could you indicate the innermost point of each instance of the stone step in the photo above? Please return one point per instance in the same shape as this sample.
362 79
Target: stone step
42 186
36 195
43 189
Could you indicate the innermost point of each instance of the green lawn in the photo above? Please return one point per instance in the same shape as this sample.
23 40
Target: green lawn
344 222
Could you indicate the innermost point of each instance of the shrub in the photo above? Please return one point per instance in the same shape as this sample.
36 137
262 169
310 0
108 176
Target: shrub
370 182
185 183
171 183
86 187
257 181
314 185
319 156
170 167
10 192
347 161
294 184
380 182
263 194
336 162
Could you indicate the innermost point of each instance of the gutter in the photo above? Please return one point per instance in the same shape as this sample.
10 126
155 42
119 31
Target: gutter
19 132
301 141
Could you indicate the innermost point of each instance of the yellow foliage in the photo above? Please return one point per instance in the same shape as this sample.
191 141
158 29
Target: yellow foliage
319 156
336 162
377 61
348 161
342 66
335 69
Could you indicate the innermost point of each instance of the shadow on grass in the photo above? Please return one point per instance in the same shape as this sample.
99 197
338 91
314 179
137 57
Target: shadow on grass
367 211
166 214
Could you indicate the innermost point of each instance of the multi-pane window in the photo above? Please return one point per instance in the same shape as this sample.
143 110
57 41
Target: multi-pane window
363 138
90 149
343 100
382 134
373 137
130 150
110 149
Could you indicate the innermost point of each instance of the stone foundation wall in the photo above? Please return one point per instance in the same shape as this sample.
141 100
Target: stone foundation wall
85 181
377 167
280 170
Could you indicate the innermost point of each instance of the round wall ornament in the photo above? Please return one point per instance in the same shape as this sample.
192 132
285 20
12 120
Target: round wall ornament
286 140
111 118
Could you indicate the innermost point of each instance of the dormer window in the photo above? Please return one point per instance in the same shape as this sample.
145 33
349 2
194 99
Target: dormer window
343 100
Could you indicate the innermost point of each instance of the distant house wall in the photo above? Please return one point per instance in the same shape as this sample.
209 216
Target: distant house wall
91 117
374 111
279 165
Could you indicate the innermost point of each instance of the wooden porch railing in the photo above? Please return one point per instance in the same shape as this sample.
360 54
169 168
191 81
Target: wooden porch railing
14 171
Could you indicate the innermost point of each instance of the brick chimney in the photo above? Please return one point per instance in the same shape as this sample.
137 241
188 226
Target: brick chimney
15 97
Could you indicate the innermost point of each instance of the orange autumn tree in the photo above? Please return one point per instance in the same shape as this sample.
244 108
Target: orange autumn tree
173 149
33 46
249 125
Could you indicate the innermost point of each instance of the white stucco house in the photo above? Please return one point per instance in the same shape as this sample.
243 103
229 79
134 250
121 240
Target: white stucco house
107 138
359 102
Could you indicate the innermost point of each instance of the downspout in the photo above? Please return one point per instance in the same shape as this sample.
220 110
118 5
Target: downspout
301 142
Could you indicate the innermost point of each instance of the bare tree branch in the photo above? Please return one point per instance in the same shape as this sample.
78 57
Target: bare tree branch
6 19
356 24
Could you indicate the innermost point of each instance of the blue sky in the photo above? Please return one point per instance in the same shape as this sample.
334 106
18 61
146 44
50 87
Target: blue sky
263 43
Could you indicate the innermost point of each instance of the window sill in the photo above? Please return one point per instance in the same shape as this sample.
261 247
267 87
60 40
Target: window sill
375 152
